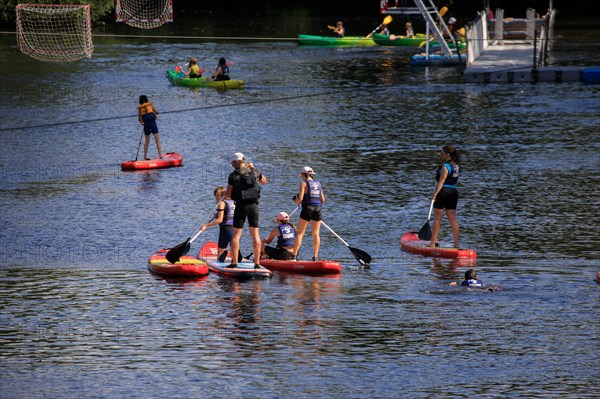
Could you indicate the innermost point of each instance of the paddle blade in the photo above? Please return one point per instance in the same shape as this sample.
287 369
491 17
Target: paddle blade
425 232
387 20
209 250
361 256
178 251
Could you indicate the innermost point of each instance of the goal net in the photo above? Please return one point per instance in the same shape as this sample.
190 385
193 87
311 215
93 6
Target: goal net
144 14
54 32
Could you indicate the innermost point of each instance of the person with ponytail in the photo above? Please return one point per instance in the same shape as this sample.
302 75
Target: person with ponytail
445 195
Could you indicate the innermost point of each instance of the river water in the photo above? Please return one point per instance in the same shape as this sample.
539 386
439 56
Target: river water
82 317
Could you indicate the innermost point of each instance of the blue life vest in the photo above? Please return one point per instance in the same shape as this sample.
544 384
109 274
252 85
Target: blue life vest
287 236
228 213
472 283
453 173
312 196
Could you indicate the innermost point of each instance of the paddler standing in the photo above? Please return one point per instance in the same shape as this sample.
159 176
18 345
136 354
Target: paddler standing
311 196
243 186
147 115
445 195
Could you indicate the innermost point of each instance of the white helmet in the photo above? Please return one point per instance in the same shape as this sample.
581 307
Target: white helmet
284 217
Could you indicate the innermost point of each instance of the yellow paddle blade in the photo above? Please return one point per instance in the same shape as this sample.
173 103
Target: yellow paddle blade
387 20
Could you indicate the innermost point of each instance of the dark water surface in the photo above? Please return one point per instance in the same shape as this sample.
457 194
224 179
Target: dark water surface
82 317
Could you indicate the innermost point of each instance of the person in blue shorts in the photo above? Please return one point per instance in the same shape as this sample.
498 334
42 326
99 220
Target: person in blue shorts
224 219
285 233
147 115
311 196
445 195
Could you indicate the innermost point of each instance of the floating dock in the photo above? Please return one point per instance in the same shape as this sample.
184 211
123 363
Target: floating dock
493 59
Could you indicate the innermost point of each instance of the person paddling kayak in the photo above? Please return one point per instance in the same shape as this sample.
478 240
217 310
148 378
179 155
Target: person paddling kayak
445 195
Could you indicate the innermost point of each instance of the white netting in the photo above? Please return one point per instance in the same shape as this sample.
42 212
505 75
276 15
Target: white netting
144 14
55 32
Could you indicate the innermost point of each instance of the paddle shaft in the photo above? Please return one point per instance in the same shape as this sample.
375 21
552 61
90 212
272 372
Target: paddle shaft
430 210
137 153
334 233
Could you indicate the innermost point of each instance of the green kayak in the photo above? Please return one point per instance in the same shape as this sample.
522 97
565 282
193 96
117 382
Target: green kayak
392 40
346 41
417 41
178 79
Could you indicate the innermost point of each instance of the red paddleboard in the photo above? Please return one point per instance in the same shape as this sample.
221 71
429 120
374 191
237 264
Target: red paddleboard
410 242
244 270
186 266
303 266
168 160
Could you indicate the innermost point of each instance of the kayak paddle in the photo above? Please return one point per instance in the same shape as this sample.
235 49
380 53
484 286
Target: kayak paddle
386 21
181 249
361 256
425 232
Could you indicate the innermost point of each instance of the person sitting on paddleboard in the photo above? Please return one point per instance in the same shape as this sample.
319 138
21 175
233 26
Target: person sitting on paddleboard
338 29
445 195
222 71
286 238
147 115
224 219
193 69
312 198
243 186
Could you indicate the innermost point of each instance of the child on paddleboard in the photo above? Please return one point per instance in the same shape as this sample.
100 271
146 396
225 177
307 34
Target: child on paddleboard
224 219
311 196
147 115
285 232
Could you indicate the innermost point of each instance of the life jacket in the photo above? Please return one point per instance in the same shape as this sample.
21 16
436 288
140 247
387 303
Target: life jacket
228 213
287 236
312 196
472 283
453 174
147 111
195 71
247 188
224 73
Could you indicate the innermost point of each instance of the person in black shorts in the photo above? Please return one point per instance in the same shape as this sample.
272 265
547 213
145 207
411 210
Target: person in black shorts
243 186
445 195
311 196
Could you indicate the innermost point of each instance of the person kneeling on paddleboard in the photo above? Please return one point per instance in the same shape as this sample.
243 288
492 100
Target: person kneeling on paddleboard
286 238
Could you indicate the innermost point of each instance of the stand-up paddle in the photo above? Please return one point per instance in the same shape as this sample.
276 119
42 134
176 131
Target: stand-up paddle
425 232
386 21
361 256
139 145
181 249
